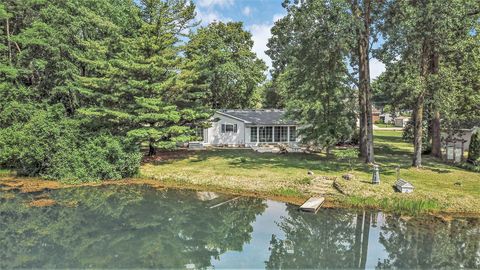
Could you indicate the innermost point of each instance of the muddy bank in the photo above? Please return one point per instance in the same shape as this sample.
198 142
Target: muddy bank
33 185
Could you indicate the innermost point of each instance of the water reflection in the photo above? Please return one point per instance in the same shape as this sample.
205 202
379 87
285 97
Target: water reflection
345 239
139 227
429 243
330 239
123 227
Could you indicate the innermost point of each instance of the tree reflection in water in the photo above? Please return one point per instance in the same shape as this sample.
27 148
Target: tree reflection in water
139 227
430 243
340 239
123 227
329 239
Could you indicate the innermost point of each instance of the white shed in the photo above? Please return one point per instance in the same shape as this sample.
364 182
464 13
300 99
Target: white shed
403 186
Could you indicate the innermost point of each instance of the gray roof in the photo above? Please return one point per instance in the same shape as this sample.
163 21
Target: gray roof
259 117
402 183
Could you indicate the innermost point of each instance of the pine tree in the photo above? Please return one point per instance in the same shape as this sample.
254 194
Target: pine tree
141 92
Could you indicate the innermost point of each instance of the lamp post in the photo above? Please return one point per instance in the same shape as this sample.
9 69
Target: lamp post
376 175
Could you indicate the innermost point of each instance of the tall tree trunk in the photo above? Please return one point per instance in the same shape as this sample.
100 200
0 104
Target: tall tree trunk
425 65
436 136
364 83
7 30
152 151
362 136
436 128
362 114
418 131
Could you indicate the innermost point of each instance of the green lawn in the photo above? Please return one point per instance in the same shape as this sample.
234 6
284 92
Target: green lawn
5 172
439 187
383 125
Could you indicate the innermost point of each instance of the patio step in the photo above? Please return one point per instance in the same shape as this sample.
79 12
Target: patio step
321 185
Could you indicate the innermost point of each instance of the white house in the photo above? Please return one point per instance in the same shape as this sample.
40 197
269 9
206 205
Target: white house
249 128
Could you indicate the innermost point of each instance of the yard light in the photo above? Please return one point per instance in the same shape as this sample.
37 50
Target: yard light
376 175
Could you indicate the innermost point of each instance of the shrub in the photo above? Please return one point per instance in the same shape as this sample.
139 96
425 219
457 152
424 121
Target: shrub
102 157
349 154
474 148
52 146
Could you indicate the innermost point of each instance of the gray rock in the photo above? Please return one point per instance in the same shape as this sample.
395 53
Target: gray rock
348 176
310 173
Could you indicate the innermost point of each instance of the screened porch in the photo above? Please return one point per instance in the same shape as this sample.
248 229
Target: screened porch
273 134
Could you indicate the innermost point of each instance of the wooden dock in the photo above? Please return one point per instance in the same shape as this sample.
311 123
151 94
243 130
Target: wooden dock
312 204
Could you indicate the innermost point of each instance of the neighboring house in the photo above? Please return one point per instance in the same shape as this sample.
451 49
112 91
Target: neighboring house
386 118
249 128
401 121
375 114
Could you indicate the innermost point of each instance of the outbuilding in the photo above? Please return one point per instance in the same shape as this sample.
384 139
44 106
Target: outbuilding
403 186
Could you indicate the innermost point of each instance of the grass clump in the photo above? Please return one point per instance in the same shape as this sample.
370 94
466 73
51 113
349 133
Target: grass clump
288 192
304 181
398 205
5 172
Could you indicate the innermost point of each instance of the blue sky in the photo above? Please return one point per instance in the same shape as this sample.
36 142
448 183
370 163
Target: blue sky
258 16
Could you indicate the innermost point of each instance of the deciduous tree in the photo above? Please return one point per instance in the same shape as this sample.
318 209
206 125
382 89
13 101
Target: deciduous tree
229 74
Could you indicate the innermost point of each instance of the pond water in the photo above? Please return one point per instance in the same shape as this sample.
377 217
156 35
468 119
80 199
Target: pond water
140 227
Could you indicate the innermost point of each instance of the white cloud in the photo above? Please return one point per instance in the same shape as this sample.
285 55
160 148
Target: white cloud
278 16
211 3
376 68
247 11
260 35
209 16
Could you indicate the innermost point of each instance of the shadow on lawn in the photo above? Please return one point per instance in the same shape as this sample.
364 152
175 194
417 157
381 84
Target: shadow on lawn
248 159
390 152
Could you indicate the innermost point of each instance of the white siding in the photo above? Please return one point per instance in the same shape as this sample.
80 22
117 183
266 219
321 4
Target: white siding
216 137
247 135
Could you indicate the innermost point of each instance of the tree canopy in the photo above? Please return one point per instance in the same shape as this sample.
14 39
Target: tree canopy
79 78
228 73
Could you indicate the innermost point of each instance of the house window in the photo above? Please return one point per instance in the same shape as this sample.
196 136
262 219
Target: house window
277 134
229 128
253 134
281 134
293 134
265 134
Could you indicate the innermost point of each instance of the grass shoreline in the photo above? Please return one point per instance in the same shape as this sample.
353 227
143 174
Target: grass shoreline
36 185
440 189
